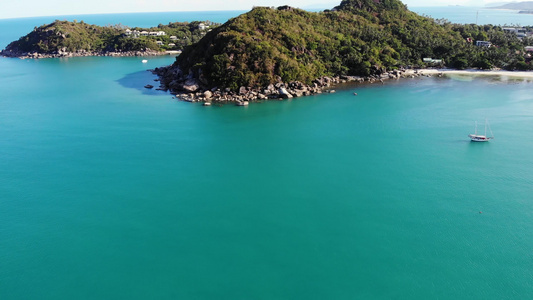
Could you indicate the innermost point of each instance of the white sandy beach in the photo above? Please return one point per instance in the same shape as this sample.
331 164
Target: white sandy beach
472 72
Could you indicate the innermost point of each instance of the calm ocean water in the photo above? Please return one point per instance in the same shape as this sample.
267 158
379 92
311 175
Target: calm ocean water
476 15
112 191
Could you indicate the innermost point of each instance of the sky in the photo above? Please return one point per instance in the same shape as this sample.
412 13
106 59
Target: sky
33 8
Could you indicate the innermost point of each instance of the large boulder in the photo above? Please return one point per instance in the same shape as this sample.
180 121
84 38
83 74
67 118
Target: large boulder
208 94
284 93
243 90
298 93
190 86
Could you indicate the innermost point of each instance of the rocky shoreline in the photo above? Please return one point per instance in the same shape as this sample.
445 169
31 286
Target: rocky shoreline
80 53
192 90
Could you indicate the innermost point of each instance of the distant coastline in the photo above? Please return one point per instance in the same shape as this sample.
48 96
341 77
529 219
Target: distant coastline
524 6
37 55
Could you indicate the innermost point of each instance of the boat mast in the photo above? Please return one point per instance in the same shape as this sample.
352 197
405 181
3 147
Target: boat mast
475 131
491 134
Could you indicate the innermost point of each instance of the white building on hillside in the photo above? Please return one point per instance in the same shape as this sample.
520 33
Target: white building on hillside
483 44
156 33
520 32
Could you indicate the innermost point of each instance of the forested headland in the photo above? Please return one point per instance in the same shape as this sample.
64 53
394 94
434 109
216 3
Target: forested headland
358 37
73 38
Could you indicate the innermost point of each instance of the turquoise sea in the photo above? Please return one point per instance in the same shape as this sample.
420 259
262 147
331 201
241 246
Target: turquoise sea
476 15
112 191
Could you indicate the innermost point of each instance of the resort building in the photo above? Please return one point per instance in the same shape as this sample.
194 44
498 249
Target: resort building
137 33
157 33
483 44
173 37
431 61
160 43
130 33
520 32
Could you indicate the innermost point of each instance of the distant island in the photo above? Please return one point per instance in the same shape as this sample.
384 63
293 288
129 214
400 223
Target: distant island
524 6
287 52
65 39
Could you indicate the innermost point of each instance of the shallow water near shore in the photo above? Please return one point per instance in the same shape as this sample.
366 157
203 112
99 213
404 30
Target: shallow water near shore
110 190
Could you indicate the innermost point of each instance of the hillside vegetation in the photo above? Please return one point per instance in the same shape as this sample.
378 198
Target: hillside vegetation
65 36
358 37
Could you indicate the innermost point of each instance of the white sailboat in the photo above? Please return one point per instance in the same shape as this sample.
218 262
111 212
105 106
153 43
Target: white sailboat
481 138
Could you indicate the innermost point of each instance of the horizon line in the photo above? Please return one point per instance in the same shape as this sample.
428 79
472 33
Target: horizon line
200 11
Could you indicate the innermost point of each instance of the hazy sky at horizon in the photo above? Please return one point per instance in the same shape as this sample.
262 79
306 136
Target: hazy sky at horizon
33 8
